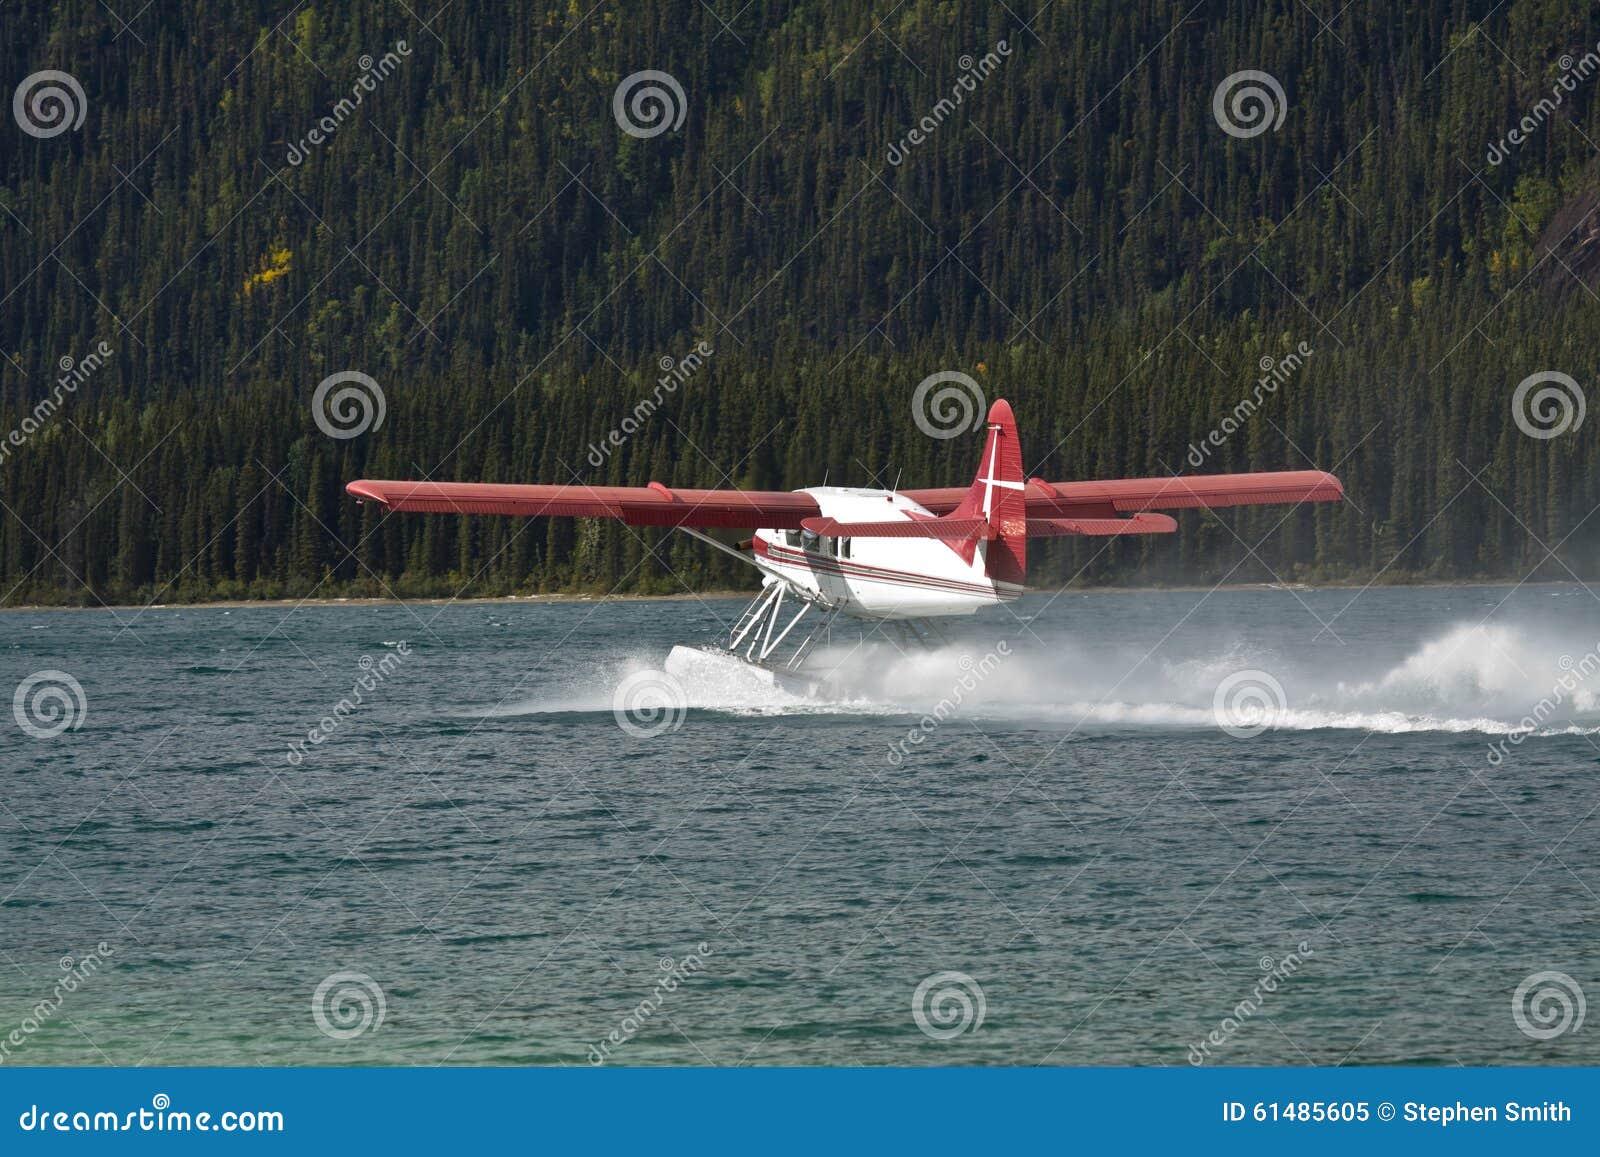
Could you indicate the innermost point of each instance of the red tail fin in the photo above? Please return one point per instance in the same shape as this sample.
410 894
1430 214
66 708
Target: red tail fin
998 497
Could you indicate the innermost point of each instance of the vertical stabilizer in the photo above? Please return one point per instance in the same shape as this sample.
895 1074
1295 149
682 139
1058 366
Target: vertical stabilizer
998 495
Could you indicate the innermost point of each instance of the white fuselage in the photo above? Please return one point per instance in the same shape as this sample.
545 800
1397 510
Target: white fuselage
879 578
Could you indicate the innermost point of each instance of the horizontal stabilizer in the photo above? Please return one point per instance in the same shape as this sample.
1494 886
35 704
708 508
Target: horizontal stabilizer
952 528
948 528
1129 495
1138 524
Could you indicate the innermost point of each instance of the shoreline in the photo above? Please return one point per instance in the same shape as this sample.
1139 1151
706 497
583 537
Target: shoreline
522 600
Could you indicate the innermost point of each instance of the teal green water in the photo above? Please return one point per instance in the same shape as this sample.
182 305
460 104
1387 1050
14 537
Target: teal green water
517 879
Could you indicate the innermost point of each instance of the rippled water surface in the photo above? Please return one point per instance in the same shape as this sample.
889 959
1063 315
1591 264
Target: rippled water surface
518 875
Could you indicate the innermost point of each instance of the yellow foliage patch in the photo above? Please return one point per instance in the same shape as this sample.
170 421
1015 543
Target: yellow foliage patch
273 266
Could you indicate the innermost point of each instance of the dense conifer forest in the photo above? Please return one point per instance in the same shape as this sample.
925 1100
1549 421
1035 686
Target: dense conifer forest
443 198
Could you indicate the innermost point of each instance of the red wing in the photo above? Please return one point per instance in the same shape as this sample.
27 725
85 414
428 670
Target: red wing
656 505
1131 495
652 505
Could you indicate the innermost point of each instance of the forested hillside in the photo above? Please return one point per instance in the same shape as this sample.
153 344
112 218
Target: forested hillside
1079 233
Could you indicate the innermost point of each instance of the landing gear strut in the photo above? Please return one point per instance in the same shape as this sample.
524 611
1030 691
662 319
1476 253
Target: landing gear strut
759 627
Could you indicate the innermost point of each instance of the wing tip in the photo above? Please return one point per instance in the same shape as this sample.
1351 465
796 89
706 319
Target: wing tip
366 491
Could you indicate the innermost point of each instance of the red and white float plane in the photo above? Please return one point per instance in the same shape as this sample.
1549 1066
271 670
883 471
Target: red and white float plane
899 555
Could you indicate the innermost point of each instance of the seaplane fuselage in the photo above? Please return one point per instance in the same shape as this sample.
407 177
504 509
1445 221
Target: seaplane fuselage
879 578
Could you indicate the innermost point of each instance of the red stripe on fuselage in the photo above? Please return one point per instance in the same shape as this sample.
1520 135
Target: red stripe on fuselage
829 565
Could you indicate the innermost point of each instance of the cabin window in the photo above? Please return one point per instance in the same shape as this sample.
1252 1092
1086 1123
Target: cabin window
808 541
844 548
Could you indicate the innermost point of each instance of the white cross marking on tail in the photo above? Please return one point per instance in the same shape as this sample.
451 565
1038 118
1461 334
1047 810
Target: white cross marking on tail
990 481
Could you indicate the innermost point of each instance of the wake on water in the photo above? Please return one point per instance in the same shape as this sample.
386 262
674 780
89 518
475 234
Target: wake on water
1488 679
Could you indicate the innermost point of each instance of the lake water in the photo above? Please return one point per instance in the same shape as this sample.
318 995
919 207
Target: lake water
1070 862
